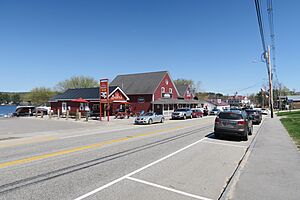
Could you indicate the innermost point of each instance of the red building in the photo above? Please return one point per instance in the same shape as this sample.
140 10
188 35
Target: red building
65 101
154 91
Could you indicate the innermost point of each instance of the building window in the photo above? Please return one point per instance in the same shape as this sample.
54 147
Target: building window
167 82
81 107
170 90
163 90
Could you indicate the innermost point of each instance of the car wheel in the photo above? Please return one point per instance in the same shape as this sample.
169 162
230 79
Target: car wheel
150 121
162 120
184 117
245 137
251 130
217 135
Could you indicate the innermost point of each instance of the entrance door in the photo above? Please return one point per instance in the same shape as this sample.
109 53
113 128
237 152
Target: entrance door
63 107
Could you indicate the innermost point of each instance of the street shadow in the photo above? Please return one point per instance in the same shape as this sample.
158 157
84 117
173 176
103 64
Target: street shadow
224 137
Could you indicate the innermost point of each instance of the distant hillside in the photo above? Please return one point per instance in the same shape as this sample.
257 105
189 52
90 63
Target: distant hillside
12 97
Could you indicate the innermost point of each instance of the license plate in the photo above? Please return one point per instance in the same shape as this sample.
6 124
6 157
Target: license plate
224 122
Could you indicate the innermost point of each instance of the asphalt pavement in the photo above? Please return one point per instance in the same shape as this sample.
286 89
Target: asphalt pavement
179 159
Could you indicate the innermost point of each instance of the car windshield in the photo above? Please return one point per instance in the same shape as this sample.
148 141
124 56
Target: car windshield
181 110
230 115
147 114
215 109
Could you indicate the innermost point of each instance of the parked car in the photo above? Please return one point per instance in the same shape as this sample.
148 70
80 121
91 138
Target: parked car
205 112
182 113
265 111
233 122
257 117
214 111
197 112
149 118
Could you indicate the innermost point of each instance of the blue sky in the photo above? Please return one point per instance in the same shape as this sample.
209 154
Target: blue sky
214 42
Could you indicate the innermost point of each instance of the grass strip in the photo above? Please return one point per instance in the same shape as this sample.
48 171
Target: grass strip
291 122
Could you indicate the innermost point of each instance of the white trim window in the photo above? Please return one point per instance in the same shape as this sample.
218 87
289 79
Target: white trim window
170 90
163 90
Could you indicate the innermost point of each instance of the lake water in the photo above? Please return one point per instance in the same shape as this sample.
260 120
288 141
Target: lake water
4 110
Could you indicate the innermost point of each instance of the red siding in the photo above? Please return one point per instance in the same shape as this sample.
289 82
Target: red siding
157 93
137 106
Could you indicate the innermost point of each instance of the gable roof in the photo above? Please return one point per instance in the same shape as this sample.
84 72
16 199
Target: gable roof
85 93
181 89
141 83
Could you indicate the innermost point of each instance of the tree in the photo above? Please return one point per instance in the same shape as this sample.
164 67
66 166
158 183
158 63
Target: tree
77 82
195 86
4 98
39 96
16 98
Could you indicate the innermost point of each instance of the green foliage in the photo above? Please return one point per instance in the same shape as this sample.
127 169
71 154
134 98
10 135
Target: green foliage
10 97
39 96
16 98
291 122
77 82
210 95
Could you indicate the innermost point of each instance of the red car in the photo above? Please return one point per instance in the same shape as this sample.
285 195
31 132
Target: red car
196 113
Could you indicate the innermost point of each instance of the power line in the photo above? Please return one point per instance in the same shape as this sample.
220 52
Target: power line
272 35
260 24
266 54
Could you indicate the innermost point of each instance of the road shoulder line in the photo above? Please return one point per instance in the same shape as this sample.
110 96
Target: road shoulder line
168 189
136 171
224 144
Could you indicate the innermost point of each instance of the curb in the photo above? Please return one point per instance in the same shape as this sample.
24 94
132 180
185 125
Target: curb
229 188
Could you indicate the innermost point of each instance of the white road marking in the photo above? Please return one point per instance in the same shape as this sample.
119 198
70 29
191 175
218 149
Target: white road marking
169 189
225 144
136 171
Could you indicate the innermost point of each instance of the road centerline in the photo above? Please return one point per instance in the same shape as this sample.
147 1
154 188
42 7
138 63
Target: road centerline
77 149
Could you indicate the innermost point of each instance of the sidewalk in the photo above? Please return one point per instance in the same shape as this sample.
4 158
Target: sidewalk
272 170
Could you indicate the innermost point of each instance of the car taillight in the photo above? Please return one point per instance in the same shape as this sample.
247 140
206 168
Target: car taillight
241 122
217 120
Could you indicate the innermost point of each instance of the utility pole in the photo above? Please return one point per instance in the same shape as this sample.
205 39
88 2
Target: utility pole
269 66
262 98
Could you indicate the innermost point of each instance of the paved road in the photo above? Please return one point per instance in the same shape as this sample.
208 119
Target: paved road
174 160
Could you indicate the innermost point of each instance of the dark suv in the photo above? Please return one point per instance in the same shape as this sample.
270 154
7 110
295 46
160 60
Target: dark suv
257 117
233 122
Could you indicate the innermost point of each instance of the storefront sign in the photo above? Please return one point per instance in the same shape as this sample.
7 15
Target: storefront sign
117 96
103 93
141 100
166 95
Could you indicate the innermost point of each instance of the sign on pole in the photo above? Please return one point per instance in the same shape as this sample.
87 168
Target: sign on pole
104 93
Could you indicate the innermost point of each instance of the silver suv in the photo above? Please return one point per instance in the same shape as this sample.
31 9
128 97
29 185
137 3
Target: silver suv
233 122
182 113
